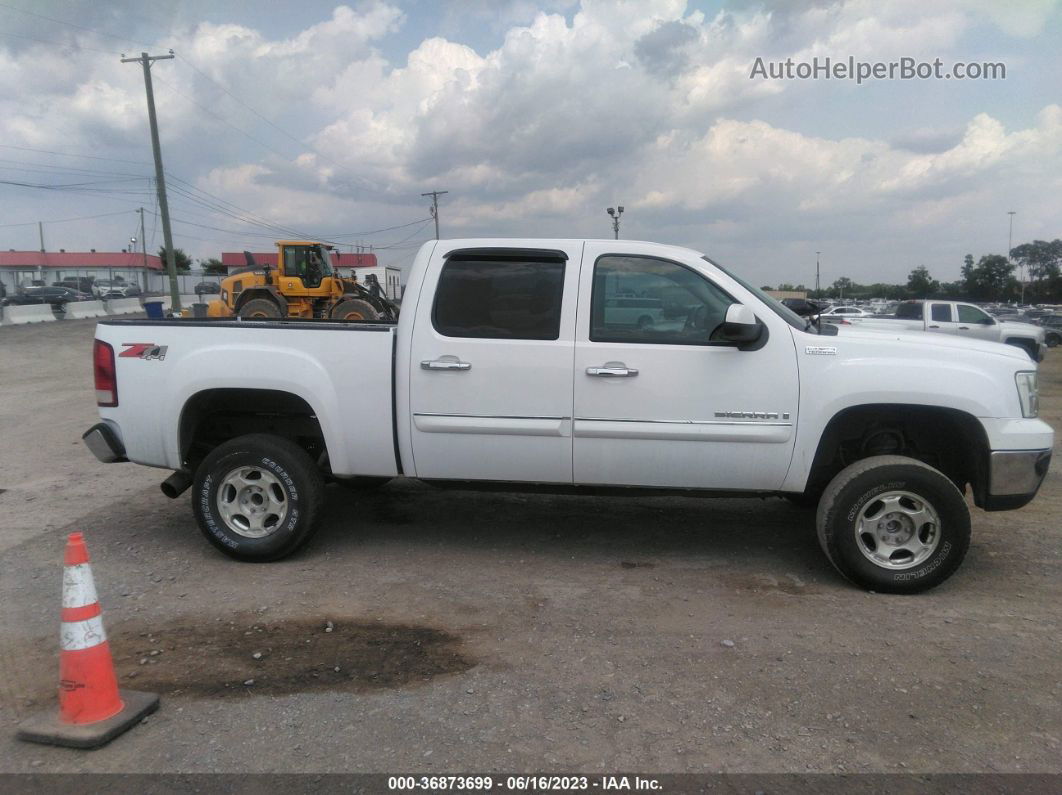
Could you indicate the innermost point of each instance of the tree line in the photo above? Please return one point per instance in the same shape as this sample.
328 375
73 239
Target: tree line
991 278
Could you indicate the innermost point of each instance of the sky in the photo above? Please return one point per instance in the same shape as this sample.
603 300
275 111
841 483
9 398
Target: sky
327 121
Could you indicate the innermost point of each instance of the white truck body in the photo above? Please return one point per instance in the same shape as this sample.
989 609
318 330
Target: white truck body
958 318
661 408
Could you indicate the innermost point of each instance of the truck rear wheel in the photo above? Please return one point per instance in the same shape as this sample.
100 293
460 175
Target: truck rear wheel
353 309
893 524
257 497
259 308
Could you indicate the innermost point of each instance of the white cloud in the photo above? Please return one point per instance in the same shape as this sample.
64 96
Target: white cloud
576 107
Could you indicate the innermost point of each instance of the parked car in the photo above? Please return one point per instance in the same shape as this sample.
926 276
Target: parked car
81 284
804 307
1052 325
107 288
56 296
505 370
846 311
207 287
962 319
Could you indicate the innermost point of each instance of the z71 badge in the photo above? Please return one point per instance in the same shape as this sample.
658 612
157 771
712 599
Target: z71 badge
143 350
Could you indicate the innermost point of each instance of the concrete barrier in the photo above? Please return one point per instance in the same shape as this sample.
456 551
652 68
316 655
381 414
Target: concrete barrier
77 310
30 313
123 306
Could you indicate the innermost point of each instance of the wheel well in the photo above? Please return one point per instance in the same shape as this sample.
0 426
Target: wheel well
949 440
214 416
1029 346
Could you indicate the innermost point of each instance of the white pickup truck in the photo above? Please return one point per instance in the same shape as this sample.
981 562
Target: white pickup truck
956 317
515 361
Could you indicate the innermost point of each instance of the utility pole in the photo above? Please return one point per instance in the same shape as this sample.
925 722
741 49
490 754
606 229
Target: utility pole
1010 245
615 214
143 248
40 230
817 273
435 194
145 61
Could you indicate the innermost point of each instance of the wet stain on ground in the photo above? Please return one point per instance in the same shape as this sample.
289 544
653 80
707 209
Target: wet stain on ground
251 655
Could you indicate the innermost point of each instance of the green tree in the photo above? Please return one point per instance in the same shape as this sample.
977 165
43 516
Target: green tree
990 280
182 260
842 285
214 267
920 284
1041 259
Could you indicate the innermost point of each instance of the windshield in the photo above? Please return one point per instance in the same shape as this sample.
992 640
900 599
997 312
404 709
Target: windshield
784 312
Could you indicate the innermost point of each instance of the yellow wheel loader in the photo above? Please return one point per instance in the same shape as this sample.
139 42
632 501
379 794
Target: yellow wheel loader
304 284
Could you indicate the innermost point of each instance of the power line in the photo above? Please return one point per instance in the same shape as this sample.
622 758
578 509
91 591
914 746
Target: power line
65 220
224 121
76 46
72 25
71 154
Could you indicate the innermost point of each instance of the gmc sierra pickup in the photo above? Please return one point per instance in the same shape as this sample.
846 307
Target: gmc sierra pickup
955 317
522 362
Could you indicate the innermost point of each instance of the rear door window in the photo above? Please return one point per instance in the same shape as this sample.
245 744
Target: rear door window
499 299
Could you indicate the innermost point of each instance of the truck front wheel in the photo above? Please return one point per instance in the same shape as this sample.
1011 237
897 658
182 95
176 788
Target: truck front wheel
893 524
257 497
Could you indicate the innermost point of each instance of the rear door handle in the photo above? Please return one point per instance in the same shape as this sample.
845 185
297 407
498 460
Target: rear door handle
612 371
445 363
934 326
964 328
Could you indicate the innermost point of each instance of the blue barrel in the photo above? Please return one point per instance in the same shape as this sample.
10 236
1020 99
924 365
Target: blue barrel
153 309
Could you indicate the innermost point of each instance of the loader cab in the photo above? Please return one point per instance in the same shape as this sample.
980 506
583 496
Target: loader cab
305 268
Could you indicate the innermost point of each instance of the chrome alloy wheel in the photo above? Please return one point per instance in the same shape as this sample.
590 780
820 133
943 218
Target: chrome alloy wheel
897 530
252 502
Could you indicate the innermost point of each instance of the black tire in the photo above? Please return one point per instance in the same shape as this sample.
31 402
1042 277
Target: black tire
300 482
354 309
1053 340
259 308
363 483
860 487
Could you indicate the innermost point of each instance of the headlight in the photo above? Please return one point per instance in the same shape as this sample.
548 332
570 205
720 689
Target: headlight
1028 393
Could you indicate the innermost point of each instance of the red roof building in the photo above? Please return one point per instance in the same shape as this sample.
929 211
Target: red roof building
77 260
22 268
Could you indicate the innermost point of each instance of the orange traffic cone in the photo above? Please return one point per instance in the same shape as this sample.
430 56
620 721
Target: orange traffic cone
92 710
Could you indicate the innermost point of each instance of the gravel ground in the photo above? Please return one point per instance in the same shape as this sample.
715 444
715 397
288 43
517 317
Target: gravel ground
439 632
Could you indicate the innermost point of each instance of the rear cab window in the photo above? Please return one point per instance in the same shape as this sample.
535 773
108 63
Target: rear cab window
941 313
500 296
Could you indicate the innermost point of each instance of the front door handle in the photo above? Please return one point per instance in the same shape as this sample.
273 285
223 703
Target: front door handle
445 363
934 326
964 328
612 370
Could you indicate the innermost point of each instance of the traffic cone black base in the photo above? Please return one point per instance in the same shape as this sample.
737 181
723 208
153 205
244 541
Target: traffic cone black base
47 728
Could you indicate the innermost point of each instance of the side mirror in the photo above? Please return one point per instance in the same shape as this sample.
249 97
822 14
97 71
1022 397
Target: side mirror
988 322
740 326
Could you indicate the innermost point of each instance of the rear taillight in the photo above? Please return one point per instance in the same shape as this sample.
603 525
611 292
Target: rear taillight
103 368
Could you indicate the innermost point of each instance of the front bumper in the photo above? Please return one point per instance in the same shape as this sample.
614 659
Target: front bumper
1014 477
104 443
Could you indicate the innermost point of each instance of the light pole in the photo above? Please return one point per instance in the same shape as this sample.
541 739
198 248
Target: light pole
1010 245
615 214
817 273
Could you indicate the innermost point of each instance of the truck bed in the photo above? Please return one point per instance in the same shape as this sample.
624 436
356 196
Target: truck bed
344 378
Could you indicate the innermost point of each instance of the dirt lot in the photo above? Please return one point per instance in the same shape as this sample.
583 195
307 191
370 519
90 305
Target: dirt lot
441 631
